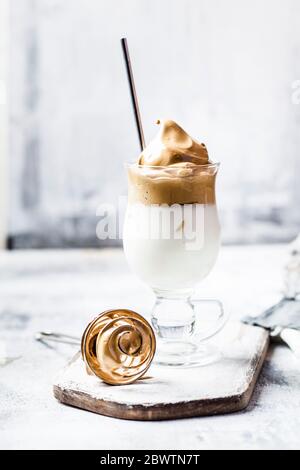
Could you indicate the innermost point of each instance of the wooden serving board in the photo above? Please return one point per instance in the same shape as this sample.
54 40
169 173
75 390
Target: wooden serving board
168 393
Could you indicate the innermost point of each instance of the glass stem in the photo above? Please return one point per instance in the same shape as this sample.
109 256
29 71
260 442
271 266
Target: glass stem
173 318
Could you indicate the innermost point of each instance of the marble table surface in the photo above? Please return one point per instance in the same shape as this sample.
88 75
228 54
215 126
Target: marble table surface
62 290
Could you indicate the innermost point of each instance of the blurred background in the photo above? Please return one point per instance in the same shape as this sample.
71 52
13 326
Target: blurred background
228 72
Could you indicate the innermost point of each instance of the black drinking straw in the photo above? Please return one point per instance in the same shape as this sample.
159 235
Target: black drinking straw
133 94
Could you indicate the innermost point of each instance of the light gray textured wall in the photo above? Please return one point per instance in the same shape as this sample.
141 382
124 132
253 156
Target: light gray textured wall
223 69
4 21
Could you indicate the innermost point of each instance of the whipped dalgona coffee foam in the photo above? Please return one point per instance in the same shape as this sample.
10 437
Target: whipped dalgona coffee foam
172 169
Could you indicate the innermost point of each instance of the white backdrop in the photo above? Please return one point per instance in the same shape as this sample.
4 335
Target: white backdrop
222 69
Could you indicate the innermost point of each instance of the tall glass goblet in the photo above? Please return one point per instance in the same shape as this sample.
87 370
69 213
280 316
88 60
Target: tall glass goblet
171 241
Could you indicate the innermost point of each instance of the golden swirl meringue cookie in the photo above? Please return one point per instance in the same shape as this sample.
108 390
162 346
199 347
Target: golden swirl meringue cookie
118 346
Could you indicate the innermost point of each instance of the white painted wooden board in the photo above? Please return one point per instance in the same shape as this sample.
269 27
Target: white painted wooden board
167 393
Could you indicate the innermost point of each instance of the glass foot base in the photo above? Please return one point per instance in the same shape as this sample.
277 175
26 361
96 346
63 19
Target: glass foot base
185 354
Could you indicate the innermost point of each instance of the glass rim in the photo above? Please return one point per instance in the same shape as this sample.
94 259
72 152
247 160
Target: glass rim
169 167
